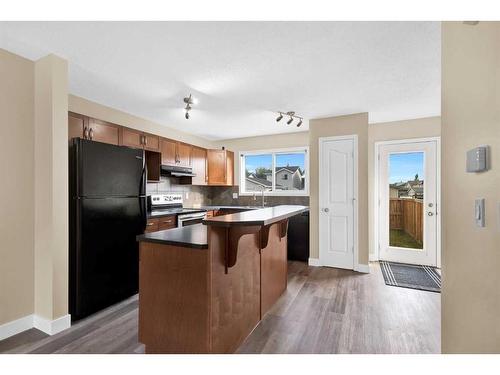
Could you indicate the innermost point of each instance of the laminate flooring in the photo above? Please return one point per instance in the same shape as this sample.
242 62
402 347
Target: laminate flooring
324 310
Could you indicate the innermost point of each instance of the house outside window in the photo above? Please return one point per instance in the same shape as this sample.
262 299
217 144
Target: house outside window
276 172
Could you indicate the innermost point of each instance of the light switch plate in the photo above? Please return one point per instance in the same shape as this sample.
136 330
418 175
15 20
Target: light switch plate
235 195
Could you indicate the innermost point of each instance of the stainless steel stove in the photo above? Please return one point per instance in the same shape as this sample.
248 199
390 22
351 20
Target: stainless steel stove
171 204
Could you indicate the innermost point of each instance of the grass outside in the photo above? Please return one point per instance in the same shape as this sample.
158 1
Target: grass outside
400 238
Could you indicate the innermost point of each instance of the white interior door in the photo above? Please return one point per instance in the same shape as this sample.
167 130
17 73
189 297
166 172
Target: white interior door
337 202
408 224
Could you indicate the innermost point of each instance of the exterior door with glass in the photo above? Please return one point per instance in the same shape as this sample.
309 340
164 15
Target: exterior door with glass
408 202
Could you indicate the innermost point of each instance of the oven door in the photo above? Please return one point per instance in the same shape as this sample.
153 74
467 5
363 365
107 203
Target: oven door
190 219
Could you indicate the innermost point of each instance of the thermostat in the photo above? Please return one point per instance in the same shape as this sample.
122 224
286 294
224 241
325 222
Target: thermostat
477 159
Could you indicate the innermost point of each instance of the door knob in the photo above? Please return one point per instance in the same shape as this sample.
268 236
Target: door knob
326 209
430 213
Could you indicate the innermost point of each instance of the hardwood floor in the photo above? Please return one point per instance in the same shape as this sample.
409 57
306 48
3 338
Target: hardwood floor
324 310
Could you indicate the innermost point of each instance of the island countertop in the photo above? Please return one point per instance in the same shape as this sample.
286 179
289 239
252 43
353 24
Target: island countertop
262 216
193 236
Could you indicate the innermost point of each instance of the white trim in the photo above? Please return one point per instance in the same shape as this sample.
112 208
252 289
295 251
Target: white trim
51 327
363 268
354 138
375 256
314 262
16 326
273 152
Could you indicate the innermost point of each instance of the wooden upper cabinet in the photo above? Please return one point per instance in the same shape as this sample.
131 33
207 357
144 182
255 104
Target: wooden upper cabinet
102 131
151 142
131 138
76 125
175 153
199 164
168 151
184 154
137 139
220 167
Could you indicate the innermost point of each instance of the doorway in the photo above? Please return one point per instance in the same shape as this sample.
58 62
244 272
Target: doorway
338 158
408 201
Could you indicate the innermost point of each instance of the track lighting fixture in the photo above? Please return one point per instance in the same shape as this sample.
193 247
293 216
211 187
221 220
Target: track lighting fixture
292 116
189 100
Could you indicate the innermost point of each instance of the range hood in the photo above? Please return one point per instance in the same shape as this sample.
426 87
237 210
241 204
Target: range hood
176 171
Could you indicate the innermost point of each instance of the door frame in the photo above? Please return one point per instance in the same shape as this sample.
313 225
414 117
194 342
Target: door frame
376 181
354 137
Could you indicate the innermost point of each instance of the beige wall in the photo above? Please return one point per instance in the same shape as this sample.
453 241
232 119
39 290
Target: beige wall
266 142
337 126
17 187
388 131
471 256
99 111
51 187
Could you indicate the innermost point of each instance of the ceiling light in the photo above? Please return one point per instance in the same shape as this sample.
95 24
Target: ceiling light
292 116
189 100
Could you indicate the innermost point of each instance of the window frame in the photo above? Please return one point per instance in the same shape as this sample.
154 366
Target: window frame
274 152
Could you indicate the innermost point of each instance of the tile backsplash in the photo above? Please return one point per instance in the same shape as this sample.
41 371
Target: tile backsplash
194 196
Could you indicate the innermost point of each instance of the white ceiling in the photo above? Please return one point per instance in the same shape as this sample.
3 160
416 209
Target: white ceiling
242 72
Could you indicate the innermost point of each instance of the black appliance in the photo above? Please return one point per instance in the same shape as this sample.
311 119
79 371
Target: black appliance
107 210
298 237
176 171
171 204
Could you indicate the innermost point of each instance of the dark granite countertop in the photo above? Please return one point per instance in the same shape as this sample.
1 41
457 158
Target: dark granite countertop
262 216
153 214
192 236
215 207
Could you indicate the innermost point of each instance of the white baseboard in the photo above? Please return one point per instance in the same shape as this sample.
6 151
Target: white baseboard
364 268
373 258
15 327
314 262
51 327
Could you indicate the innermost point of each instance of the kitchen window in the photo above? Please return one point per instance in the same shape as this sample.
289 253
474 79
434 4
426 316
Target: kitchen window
275 172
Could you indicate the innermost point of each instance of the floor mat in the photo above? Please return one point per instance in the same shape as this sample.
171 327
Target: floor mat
411 276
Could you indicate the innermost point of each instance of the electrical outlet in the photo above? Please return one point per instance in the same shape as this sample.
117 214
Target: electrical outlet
235 195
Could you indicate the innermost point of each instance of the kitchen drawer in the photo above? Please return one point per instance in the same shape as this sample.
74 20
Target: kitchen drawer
152 225
167 222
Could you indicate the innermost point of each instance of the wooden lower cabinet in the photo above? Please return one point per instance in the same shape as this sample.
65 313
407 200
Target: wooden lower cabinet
161 223
189 304
151 225
167 222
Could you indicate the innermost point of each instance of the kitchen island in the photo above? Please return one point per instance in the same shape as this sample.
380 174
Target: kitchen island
204 288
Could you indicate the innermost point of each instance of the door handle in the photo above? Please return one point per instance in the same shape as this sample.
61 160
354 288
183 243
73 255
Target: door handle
430 213
326 209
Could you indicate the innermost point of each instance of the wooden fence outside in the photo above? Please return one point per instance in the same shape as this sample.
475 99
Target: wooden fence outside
407 214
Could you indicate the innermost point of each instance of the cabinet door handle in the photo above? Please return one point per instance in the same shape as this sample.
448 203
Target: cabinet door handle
150 224
85 133
145 139
91 133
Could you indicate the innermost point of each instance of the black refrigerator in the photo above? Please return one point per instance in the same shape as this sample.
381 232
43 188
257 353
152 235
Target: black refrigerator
107 209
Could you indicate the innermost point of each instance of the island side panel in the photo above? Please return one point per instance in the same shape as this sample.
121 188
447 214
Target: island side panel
273 262
235 305
173 299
